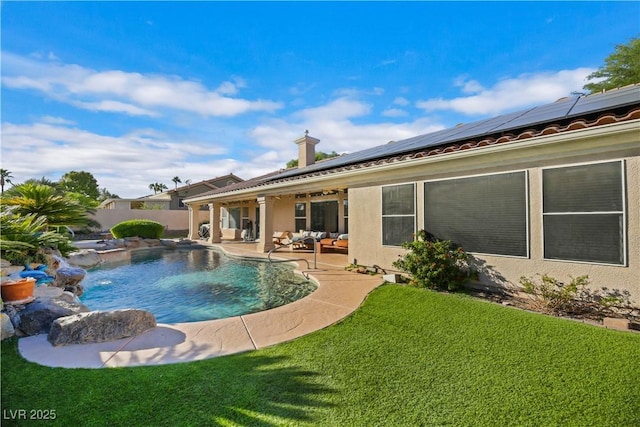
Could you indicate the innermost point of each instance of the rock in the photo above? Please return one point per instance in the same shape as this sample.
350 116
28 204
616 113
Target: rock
152 242
100 326
14 315
6 327
4 263
86 258
7 271
169 243
37 317
69 278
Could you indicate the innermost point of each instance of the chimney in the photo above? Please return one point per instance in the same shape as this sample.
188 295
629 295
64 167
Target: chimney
306 150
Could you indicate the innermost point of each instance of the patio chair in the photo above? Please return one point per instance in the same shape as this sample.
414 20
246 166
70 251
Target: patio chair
281 238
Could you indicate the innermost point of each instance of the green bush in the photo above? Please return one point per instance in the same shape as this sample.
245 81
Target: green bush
23 238
550 295
435 264
138 228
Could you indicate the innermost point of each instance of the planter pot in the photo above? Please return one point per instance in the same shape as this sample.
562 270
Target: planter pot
19 291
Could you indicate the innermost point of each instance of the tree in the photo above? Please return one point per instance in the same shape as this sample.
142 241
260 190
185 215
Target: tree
157 187
319 156
176 180
80 182
43 201
105 194
621 68
5 176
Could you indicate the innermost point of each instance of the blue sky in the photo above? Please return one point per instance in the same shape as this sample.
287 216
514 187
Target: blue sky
137 93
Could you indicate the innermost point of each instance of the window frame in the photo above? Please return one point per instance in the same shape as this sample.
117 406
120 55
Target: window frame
623 192
297 218
382 215
527 199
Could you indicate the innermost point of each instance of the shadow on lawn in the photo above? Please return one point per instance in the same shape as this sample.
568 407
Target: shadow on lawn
243 389
272 391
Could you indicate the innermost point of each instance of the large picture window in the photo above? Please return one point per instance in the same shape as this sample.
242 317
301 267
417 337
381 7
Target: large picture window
483 214
583 213
398 214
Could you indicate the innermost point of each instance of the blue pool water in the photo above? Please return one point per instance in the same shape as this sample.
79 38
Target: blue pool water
188 285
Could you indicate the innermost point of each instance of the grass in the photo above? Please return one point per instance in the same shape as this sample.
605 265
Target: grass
406 357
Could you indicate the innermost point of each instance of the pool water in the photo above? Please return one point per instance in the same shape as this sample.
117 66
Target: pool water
188 285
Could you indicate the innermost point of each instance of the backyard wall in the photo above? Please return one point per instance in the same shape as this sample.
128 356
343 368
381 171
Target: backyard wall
171 219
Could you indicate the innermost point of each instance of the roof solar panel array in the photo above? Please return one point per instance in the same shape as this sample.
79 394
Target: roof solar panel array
562 109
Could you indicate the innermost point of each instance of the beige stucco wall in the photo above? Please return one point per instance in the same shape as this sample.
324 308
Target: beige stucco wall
365 202
171 219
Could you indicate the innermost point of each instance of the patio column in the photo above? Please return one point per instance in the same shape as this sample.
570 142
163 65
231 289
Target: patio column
266 224
193 221
214 223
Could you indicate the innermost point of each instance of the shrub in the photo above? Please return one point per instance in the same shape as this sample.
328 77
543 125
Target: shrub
23 238
550 295
435 264
138 227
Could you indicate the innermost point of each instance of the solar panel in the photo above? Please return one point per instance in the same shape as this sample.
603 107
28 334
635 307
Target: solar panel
559 110
543 114
613 98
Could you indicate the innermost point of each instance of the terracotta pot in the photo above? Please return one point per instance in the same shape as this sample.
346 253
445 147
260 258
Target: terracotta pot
19 290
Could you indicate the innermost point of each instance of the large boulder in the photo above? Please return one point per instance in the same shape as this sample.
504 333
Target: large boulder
37 317
100 326
86 258
6 327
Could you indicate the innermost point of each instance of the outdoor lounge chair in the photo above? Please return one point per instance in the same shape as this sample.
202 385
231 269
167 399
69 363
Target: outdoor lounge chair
281 238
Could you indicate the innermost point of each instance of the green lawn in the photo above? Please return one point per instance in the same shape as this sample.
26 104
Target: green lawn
406 357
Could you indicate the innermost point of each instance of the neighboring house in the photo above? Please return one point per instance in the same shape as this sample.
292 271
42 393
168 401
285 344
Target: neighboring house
552 189
171 199
166 207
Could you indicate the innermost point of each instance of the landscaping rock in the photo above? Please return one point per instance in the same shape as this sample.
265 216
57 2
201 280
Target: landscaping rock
69 278
37 317
152 242
86 258
169 243
6 327
100 326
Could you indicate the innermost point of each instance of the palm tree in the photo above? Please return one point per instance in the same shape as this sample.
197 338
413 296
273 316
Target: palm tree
4 178
176 180
157 187
42 201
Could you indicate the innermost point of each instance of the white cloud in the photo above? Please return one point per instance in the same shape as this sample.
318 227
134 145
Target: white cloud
334 124
394 112
510 94
399 100
124 164
128 92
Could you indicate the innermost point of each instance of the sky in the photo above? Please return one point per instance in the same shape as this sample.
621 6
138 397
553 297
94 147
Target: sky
140 92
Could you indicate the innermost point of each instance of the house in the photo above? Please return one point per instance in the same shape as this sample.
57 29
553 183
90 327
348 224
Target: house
552 189
171 199
166 207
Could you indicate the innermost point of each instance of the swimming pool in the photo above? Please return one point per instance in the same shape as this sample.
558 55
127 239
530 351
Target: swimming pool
188 285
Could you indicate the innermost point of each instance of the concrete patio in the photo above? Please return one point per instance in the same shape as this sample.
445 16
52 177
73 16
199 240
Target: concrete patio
338 294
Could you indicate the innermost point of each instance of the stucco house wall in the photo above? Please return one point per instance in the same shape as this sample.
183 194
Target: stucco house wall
607 143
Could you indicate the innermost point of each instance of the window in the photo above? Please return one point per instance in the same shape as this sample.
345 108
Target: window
345 215
230 217
301 216
398 214
483 214
583 213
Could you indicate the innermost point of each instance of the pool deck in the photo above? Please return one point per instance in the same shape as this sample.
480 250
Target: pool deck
339 293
